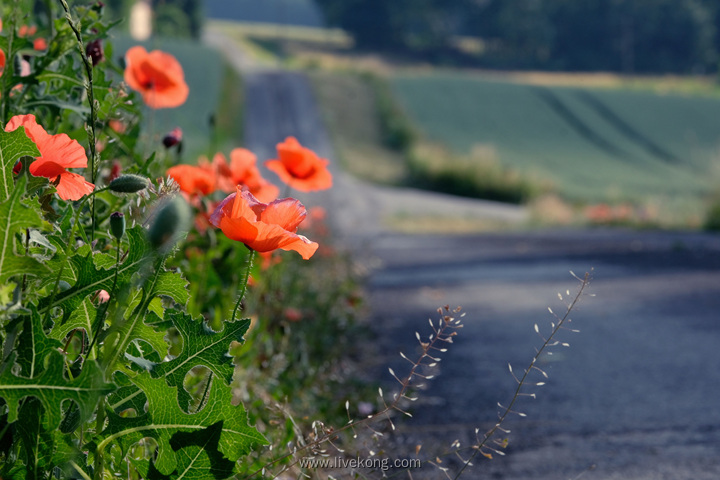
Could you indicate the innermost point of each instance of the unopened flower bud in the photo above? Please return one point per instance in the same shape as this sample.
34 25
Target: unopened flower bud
128 183
171 221
172 138
117 224
94 51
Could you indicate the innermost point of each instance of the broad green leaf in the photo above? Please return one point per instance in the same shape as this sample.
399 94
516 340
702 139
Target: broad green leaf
52 388
82 317
160 282
13 146
197 456
15 217
90 278
38 441
201 346
128 395
164 420
33 346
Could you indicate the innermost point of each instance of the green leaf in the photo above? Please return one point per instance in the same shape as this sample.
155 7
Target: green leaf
164 420
52 388
90 278
197 457
127 396
15 217
82 317
13 146
96 272
160 282
33 346
38 441
201 346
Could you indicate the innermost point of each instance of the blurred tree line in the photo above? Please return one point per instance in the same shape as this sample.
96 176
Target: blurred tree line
614 35
171 18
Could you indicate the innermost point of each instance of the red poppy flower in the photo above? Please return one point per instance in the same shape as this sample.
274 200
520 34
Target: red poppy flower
263 227
193 180
158 76
2 62
40 44
242 170
300 167
25 31
57 154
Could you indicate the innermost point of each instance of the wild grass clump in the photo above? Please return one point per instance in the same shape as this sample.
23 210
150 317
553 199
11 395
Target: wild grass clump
712 218
476 175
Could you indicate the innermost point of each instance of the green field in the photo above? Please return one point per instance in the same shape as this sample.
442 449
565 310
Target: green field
204 71
593 144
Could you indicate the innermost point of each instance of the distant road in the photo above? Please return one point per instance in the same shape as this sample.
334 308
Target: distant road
637 393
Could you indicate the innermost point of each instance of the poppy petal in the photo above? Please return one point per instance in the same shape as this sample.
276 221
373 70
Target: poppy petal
46 169
73 186
239 229
288 213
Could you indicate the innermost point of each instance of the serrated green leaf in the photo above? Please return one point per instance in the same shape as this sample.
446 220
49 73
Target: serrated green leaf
127 396
13 146
90 278
38 441
96 272
161 282
82 317
15 217
197 456
33 346
201 346
52 388
164 419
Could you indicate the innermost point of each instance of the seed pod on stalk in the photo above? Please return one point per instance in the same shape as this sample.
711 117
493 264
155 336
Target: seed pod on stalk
172 220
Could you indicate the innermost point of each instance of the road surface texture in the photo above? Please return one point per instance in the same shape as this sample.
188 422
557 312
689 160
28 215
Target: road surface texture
636 395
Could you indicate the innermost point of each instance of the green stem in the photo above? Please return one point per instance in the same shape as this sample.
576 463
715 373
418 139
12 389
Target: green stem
91 99
98 323
243 287
205 393
9 66
77 217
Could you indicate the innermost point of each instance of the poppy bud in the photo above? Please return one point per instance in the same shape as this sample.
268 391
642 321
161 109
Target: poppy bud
171 221
94 51
117 224
128 183
172 138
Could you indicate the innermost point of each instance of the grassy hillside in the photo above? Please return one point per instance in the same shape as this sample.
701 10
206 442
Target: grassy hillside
593 144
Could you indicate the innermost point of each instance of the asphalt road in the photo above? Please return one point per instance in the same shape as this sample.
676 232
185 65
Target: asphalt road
637 393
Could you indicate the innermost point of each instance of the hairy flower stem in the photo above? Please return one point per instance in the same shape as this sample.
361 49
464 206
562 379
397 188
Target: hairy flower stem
243 286
9 65
91 99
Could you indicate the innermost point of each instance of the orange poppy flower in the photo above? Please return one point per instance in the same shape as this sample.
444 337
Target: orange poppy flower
40 44
57 154
263 227
193 180
242 170
158 76
300 167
